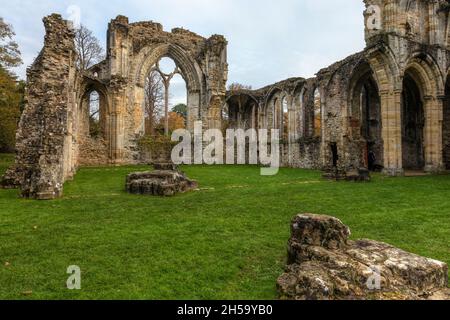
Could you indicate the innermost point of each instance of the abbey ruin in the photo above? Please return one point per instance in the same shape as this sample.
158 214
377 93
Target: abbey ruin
386 108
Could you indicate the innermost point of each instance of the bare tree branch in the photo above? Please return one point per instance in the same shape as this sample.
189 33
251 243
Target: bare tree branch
88 47
154 100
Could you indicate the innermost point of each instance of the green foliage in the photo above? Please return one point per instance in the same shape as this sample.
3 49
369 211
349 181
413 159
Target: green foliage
9 49
11 103
181 109
159 147
225 241
95 130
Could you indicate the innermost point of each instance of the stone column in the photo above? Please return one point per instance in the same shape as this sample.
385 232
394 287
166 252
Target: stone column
433 7
193 106
392 131
433 134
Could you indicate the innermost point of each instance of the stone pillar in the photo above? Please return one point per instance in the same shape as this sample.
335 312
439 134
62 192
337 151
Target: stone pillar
214 113
433 134
392 132
390 16
433 7
292 120
193 106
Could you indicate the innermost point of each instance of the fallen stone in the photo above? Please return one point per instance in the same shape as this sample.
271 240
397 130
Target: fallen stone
159 182
323 264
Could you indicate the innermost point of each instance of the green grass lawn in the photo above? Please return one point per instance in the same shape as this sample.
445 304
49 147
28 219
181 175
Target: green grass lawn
226 241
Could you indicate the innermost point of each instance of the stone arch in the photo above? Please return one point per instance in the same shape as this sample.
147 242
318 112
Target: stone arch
387 76
428 73
94 146
422 114
190 71
308 106
243 111
273 107
88 86
385 68
298 103
365 119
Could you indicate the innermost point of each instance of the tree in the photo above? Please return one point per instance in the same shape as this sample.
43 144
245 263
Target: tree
9 49
238 86
11 101
88 48
176 121
154 101
11 91
181 109
95 129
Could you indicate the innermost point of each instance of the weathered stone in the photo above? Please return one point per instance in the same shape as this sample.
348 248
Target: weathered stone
44 153
317 230
324 264
54 137
159 183
386 108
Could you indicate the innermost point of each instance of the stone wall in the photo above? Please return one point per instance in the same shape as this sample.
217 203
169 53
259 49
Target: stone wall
133 49
410 42
46 139
93 152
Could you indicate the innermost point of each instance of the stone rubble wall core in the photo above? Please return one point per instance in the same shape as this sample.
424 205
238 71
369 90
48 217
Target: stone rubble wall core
323 264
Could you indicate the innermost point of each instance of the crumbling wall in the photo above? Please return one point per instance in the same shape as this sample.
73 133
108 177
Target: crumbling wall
323 264
409 40
93 152
45 139
133 49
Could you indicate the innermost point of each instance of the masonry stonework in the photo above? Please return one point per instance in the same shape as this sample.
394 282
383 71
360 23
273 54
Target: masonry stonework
53 138
386 108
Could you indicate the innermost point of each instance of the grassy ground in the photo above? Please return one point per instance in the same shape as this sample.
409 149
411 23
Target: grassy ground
227 240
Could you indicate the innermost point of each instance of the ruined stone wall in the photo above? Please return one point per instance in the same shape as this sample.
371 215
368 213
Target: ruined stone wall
410 40
93 152
133 49
46 139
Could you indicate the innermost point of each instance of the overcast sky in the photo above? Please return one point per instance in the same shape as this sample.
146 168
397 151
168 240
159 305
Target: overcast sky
268 40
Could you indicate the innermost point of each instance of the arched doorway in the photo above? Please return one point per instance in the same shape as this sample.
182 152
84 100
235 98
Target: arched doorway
93 114
413 123
242 112
365 118
93 126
